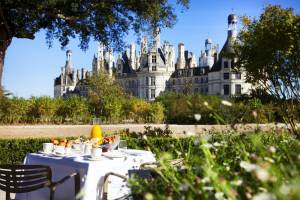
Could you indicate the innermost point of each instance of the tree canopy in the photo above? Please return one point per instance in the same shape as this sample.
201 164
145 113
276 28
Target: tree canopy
269 49
106 21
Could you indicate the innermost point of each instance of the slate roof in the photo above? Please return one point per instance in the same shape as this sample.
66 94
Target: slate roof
162 55
216 66
57 81
197 71
226 49
126 67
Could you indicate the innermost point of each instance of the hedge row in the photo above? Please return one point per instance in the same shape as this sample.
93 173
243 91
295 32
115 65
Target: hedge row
13 151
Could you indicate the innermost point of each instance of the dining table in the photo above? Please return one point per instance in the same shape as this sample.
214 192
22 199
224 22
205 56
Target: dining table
91 173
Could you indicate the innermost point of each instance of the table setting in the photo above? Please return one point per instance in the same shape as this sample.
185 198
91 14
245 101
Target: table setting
92 159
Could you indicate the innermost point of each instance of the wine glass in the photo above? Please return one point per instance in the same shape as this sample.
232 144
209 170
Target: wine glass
122 145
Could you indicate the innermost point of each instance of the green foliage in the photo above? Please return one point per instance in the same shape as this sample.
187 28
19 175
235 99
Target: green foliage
112 107
106 96
13 110
215 166
74 108
42 108
223 166
181 109
268 48
105 21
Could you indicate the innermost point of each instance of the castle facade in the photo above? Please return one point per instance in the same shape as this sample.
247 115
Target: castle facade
154 70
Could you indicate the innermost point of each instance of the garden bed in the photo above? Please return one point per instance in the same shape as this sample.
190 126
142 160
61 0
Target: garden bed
216 166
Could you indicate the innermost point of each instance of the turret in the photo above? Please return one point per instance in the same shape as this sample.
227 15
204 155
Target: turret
68 66
144 45
83 73
132 56
68 55
208 45
110 61
156 38
232 26
78 75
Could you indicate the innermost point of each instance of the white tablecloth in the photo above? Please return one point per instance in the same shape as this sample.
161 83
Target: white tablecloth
91 174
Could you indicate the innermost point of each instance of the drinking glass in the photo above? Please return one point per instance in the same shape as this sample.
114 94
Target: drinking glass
122 144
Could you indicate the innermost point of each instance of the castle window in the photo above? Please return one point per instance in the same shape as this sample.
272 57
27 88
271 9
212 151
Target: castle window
238 89
154 68
153 58
225 64
174 82
152 80
196 90
226 76
152 93
179 81
201 80
238 76
196 80
226 89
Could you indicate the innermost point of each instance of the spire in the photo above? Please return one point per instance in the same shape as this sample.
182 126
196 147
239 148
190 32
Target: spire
69 55
144 45
156 37
68 66
100 53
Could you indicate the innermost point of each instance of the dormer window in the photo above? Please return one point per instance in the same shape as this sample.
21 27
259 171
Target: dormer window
153 58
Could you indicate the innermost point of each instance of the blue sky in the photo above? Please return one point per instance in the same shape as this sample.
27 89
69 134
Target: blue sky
30 67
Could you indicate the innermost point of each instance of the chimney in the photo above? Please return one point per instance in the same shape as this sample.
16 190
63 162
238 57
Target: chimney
78 75
181 57
82 73
215 57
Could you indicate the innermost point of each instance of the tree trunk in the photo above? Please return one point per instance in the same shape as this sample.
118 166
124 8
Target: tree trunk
5 41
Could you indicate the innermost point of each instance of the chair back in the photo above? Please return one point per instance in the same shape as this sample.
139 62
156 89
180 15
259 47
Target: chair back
24 178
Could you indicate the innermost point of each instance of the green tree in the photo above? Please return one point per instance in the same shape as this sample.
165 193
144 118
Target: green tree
157 112
106 96
103 20
75 108
42 109
269 49
13 110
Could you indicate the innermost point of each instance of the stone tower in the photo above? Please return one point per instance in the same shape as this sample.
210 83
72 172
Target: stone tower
156 38
181 57
232 26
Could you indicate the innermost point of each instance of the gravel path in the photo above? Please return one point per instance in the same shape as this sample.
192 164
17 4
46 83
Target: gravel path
26 131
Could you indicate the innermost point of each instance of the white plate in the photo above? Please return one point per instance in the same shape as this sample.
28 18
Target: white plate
58 155
133 152
93 158
113 154
43 152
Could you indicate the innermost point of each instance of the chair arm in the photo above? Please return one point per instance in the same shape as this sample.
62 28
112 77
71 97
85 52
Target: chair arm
61 181
177 162
144 165
105 183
